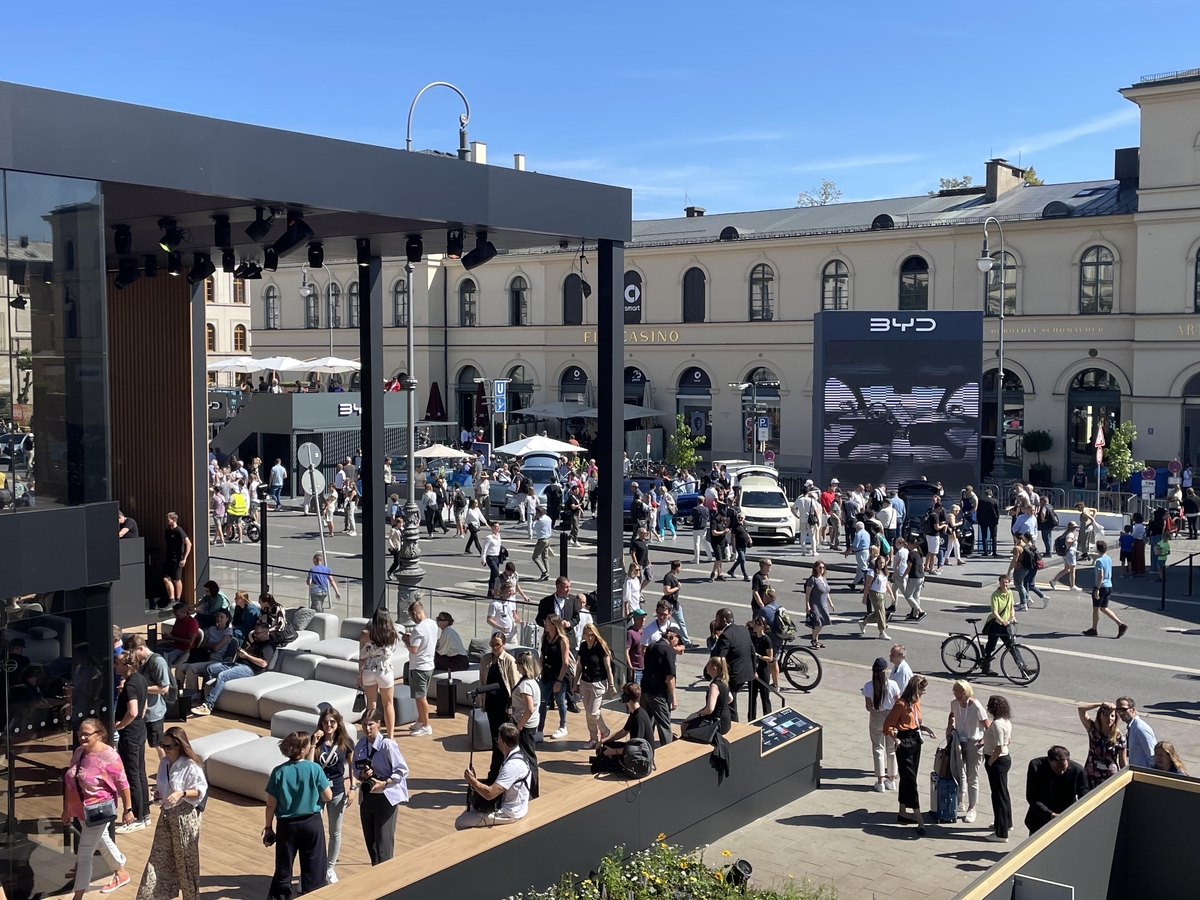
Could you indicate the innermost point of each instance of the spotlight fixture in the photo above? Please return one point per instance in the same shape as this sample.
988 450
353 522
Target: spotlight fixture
362 247
150 265
297 233
586 287
228 260
48 273
248 271
172 234
174 263
18 302
127 272
122 240
316 254
202 267
414 248
222 234
454 243
270 259
483 252
260 227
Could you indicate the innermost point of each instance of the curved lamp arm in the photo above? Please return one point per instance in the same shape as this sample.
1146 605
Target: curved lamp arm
462 120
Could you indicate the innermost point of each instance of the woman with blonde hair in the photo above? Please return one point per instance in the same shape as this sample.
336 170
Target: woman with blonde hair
1166 759
174 864
92 785
716 708
595 681
967 723
526 701
1106 745
952 521
556 662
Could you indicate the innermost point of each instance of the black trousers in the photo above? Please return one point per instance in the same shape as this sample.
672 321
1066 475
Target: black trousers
473 538
1001 801
131 747
759 689
735 688
378 817
659 708
395 561
529 748
496 718
430 517
303 836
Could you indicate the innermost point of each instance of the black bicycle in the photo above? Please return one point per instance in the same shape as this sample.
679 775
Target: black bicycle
800 666
963 654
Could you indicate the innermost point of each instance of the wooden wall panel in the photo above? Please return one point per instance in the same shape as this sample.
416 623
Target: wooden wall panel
150 350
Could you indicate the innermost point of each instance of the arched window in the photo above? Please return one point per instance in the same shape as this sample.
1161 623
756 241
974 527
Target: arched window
573 384
636 386
760 399
693 401
835 286
573 300
1096 281
271 307
762 290
333 298
400 304
520 388
1196 287
992 281
469 413
914 283
1014 420
239 291
352 305
1192 388
693 295
518 301
210 291
1093 400
467 317
210 337
239 338
312 308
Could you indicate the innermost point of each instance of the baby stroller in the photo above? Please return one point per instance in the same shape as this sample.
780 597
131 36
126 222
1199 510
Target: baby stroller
966 539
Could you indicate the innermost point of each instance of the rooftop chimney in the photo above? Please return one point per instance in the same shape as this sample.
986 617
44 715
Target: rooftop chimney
519 162
693 212
479 152
1002 177
1125 167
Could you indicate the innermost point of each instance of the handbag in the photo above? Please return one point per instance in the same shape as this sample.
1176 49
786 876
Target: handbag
701 732
360 702
941 761
98 812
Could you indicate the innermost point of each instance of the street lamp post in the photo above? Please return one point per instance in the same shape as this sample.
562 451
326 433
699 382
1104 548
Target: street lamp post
985 263
410 574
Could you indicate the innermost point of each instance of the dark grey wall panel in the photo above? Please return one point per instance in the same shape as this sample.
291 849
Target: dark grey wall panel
1158 843
47 550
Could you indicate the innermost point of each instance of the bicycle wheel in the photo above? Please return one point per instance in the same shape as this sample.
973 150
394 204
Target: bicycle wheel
252 532
1027 672
960 655
802 668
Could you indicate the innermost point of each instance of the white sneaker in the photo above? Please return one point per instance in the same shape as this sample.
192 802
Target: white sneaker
137 825
889 785
862 627
538 737
879 787
884 636
559 734
423 731
970 816
1076 588
330 876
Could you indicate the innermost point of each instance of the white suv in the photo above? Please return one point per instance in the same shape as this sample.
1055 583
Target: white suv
766 508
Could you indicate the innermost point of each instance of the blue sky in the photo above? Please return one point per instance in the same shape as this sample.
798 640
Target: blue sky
733 105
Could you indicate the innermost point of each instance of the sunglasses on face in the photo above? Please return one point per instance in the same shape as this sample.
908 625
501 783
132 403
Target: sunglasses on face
168 745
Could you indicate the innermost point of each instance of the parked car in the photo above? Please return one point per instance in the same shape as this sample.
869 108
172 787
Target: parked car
766 508
13 448
685 501
541 469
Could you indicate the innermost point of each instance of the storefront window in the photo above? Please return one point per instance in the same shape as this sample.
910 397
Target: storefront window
760 399
693 401
1014 420
54 372
1094 399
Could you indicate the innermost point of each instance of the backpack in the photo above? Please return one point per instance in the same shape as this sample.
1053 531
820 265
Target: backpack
1052 519
637 759
783 626
1060 545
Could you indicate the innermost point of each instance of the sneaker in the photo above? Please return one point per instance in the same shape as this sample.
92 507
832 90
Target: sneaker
202 710
117 882
1075 588
559 734
423 731
1054 585
920 831
996 839
970 816
884 636
136 825
879 787
922 614
590 745
889 785
538 737
1091 632
146 820
1121 629
330 876
862 628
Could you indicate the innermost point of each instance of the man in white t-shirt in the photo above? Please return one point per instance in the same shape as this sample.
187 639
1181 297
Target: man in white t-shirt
502 612
421 643
512 781
901 670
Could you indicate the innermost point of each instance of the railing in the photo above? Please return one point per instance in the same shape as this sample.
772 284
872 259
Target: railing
1110 501
1189 559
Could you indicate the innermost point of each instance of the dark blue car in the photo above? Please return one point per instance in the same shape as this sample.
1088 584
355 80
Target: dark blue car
685 502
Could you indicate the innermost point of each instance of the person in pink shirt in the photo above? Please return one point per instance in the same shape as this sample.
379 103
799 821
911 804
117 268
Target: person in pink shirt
96 775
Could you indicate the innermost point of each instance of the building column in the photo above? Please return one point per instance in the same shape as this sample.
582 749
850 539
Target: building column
370 348
610 440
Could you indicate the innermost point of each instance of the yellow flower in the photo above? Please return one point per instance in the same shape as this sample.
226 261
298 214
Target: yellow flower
661 837
718 876
726 853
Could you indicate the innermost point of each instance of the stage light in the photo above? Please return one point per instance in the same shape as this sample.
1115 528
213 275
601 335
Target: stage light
316 254
172 234
362 248
483 252
18 302
270 259
175 263
222 233
297 233
127 273
253 272
454 243
228 260
202 267
122 240
260 227
414 248
150 265
586 287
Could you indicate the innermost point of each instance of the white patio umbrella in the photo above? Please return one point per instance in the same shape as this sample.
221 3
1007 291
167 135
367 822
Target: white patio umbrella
560 409
325 365
632 411
538 444
278 363
241 364
440 451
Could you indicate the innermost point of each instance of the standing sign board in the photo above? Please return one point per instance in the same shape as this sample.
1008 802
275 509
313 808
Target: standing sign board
500 396
764 428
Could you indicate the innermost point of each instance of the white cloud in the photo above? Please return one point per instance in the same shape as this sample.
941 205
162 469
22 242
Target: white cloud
858 162
1059 136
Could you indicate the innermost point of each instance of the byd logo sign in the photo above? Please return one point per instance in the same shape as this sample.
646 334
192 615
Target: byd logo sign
885 324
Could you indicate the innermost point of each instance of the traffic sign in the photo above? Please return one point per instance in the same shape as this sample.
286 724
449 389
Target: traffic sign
500 401
1099 455
764 428
308 455
1148 473
769 456
312 481
1174 467
1099 436
500 388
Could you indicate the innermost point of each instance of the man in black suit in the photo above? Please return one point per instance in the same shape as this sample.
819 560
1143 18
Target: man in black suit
735 646
1053 783
563 602
987 517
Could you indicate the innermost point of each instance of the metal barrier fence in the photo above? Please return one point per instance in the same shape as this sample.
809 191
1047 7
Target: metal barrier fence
1110 501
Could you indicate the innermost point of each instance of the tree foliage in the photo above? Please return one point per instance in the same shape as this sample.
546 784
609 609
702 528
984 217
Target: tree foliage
827 193
953 184
1037 442
682 444
1031 176
1118 454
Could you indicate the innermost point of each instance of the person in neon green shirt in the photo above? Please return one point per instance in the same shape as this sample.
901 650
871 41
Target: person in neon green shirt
1162 552
999 625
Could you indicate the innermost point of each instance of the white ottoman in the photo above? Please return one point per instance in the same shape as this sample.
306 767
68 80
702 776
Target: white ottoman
352 628
325 625
304 639
241 697
286 721
297 662
209 744
337 671
334 648
244 769
308 696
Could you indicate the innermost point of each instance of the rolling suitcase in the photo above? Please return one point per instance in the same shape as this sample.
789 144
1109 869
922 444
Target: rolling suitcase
947 800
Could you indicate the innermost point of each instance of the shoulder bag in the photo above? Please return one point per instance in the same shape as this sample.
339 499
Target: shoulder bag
98 812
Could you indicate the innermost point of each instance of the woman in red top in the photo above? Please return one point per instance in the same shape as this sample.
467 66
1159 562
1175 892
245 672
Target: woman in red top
904 724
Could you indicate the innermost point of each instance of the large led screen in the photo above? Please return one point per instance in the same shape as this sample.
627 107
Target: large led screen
895 404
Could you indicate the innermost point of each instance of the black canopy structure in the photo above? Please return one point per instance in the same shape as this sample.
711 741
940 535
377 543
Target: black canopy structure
198 183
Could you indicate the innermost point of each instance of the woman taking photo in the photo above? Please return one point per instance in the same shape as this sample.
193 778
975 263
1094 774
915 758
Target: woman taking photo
716 699
382 777
967 722
880 695
330 749
764 655
818 605
526 702
349 507
877 596
92 784
952 522
556 660
904 724
377 645
174 864
498 667
595 681
295 791
131 738
1106 745
997 763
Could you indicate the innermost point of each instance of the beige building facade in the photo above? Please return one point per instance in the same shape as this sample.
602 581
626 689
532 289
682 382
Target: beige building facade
1101 290
227 326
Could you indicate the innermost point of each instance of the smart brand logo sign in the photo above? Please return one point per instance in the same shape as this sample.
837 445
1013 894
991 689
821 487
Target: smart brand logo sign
886 324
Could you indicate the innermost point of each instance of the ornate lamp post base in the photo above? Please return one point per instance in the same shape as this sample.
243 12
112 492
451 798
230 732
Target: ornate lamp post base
410 573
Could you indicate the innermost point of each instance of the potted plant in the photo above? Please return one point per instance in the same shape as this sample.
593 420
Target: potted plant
1040 473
